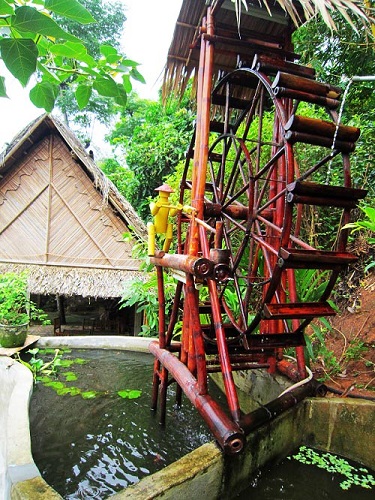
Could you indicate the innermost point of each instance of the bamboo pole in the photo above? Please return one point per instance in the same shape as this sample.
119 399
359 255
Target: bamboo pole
230 388
197 266
228 434
196 335
202 138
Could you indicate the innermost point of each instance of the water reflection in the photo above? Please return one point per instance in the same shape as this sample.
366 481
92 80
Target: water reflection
93 448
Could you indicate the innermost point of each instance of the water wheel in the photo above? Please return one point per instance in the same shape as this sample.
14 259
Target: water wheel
256 196
254 275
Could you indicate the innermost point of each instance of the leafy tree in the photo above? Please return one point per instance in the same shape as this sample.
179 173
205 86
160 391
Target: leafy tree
110 17
154 138
338 56
32 43
121 176
107 30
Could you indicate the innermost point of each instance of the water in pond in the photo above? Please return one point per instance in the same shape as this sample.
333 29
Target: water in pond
91 448
293 480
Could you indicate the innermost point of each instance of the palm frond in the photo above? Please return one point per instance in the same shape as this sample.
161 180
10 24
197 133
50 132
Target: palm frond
300 10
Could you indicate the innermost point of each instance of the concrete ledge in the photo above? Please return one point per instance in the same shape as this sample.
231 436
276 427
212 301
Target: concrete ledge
34 489
138 344
196 475
345 426
16 461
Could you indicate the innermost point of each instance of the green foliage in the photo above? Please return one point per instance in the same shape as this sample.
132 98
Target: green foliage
336 57
310 284
335 53
102 36
71 9
36 40
336 465
49 373
317 350
15 306
121 176
316 347
329 361
143 293
367 225
355 350
79 104
40 368
154 139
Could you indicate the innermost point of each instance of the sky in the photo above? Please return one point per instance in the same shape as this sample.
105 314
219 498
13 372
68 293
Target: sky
146 39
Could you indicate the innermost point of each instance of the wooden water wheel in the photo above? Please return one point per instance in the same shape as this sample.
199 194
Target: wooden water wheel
259 164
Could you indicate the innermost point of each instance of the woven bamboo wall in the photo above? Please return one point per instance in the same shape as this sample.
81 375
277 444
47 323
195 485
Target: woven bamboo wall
51 213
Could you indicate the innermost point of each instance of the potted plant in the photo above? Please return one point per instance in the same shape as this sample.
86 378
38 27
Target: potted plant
16 310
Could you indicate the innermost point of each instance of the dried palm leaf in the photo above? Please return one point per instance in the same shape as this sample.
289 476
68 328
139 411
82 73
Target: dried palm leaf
306 9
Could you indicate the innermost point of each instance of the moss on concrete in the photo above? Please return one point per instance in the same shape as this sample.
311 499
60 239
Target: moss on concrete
342 426
197 475
34 489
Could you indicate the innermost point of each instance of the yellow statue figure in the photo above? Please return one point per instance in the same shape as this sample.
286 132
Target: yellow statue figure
161 210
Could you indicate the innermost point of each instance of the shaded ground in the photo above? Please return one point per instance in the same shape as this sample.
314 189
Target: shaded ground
347 362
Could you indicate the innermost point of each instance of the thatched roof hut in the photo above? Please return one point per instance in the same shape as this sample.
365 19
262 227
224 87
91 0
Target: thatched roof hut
61 218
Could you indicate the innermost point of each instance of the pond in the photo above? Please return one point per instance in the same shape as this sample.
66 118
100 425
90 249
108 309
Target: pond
94 447
292 479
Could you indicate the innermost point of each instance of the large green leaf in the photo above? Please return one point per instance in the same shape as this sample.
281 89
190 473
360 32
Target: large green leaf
137 75
5 8
110 53
129 63
83 94
127 83
3 92
29 20
44 95
71 9
122 96
20 57
73 50
106 86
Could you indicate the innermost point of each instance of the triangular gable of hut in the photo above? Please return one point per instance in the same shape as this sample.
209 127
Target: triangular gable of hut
62 218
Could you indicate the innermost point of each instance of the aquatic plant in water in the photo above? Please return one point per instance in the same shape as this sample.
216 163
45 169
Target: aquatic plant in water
49 373
335 465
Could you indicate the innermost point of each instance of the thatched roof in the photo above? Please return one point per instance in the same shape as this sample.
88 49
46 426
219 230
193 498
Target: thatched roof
259 31
264 27
45 123
69 281
61 218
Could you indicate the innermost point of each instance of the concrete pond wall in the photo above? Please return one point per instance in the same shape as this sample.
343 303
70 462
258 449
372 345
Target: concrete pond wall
340 425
